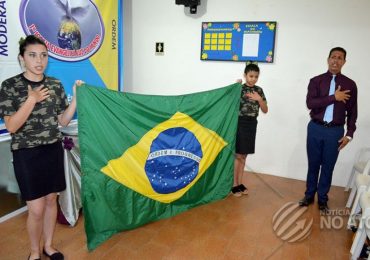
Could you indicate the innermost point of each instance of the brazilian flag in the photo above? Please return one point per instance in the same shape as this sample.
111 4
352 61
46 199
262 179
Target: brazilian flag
147 157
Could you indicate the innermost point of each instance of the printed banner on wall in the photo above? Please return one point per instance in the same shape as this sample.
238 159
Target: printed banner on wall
82 36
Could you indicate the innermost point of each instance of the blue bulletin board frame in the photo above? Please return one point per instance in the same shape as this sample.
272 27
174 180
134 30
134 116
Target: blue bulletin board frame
238 41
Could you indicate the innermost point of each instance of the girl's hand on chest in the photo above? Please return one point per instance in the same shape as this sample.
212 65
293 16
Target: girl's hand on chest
39 93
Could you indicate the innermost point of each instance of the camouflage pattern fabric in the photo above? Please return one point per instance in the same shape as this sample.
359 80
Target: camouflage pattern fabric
41 126
250 107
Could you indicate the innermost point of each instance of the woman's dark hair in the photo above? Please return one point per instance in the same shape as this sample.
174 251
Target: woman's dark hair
29 40
251 67
338 49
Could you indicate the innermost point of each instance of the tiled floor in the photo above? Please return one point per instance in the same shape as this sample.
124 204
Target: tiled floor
233 228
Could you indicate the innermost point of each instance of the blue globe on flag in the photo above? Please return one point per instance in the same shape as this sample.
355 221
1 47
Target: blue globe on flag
69 35
173 162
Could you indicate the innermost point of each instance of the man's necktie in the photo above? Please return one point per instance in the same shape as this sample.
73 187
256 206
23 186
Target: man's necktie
328 117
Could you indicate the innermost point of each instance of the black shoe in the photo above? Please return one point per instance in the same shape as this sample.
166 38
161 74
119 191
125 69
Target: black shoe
305 201
236 191
243 189
55 256
323 207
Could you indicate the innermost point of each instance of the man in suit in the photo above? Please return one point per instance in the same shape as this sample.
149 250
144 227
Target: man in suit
332 99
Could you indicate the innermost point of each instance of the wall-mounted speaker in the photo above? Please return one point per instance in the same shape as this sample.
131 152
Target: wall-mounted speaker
192 4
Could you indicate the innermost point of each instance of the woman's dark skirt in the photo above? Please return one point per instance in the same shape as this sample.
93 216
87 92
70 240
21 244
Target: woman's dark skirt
246 135
39 170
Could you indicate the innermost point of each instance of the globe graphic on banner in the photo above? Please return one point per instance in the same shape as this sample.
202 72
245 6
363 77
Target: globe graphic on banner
73 30
69 35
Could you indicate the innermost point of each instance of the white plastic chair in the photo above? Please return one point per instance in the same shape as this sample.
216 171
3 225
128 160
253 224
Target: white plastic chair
361 166
362 184
362 156
363 227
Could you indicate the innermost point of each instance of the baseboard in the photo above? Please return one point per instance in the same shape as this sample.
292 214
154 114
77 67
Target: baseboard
13 214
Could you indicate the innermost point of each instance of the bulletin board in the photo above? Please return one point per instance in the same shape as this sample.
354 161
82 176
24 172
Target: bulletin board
238 41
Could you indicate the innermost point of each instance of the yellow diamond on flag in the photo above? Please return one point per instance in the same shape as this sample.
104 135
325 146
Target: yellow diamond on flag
168 160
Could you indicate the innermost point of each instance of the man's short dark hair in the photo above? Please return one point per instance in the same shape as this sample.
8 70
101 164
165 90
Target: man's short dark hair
338 49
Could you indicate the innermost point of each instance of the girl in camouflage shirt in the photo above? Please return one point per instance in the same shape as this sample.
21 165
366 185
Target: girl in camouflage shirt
251 101
32 105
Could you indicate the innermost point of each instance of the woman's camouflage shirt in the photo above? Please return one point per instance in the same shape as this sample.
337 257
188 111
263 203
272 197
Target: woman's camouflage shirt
41 126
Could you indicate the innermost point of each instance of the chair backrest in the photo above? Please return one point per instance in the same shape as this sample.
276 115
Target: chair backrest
364 153
362 160
365 216
367 168
365 203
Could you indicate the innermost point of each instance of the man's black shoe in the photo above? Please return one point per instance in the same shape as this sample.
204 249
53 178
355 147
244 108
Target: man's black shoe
323 207
305 202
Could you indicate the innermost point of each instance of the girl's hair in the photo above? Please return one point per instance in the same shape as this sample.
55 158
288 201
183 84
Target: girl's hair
29 40
251 67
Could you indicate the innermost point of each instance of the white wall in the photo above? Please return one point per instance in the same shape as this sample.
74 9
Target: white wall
306 31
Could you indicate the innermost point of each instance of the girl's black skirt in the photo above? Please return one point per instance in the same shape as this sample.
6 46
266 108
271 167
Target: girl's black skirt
246 135
39 170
